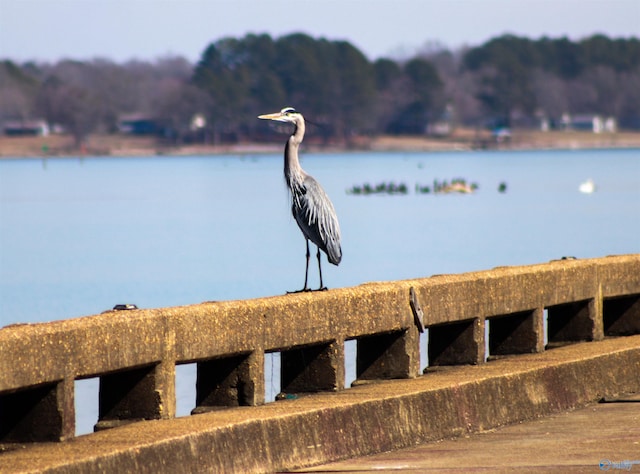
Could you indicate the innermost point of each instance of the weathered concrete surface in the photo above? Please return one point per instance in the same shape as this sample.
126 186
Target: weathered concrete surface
367 419
600 437
135 353
34 354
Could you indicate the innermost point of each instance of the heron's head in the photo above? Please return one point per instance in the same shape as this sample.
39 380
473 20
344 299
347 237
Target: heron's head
288 114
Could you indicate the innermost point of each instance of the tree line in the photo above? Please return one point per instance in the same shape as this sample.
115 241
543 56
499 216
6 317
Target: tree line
508 81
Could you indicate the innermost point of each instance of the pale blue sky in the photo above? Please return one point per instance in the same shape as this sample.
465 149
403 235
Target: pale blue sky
146 29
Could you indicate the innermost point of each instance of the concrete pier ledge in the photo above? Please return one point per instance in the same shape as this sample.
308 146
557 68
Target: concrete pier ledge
504 345
600 437
363 420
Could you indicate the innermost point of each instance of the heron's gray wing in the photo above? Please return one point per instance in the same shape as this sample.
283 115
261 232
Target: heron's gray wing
317 218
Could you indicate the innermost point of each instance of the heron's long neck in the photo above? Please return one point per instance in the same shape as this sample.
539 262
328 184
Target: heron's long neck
293 172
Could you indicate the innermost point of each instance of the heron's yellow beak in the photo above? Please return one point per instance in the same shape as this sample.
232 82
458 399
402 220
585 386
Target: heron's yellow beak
275 116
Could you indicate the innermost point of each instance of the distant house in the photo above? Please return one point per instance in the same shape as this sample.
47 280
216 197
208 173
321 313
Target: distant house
589 122
545 123
501 135
138 124
610 125
443 126
16 128
440 128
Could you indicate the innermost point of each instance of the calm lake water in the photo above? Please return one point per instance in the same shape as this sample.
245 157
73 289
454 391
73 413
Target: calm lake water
78 236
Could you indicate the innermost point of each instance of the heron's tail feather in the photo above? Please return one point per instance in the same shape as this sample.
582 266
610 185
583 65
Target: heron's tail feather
334 253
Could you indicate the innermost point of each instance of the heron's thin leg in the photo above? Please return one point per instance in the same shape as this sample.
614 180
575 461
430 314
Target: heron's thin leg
322 287
306 271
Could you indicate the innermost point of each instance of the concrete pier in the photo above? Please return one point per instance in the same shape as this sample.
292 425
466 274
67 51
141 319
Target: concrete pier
593 351
599 437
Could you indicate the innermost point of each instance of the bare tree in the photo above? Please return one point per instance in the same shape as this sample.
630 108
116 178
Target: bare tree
550 93
73 107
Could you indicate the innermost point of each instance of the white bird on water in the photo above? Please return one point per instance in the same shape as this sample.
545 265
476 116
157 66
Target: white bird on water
587 187
310 205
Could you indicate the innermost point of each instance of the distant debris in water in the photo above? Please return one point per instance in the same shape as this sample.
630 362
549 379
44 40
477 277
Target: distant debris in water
457 185
381 188
502 187
587 187
422 189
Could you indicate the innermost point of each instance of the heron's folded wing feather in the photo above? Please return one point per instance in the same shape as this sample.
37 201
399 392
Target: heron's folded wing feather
317 218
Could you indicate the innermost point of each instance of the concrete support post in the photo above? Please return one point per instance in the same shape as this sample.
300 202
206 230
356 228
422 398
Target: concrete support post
313 368
595 315
165 387
131 395
578 321
230 382
517 333
457 343
65 395
38 414
394 355
621 316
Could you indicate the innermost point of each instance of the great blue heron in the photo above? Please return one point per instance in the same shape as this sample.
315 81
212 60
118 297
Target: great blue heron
310 205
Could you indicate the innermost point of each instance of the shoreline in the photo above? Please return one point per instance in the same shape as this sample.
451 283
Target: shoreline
54 146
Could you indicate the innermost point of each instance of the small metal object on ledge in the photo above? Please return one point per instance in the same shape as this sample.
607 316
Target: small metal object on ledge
564 257
124 307
418 314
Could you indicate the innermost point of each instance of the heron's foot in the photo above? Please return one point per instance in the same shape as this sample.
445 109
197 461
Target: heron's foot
304 290
322 288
